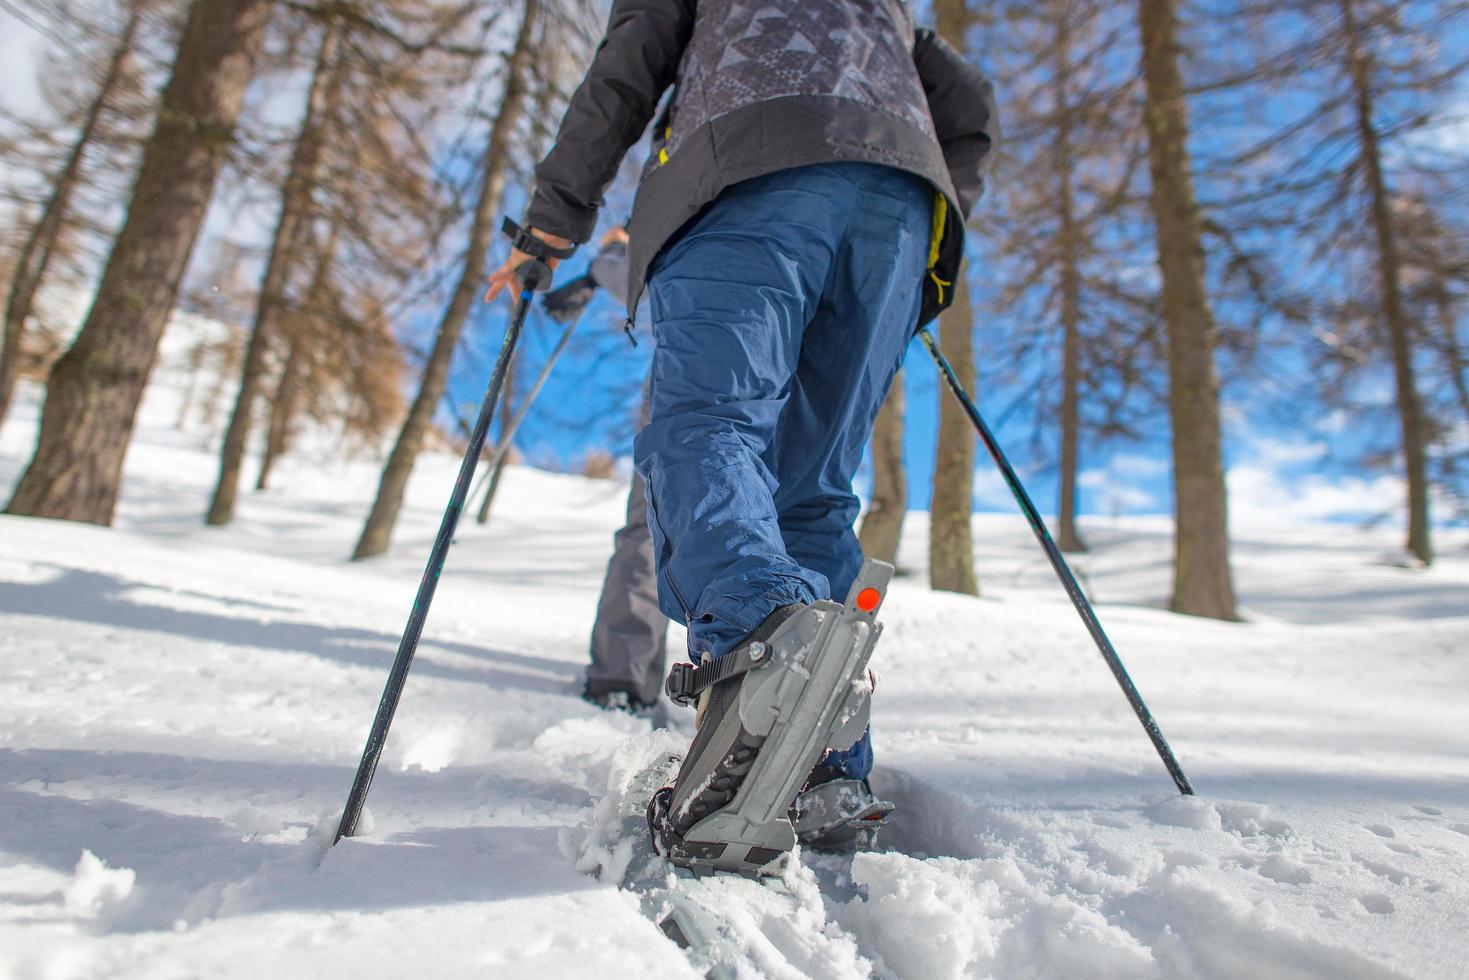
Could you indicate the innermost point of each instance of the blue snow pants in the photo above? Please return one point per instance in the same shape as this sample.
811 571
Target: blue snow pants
780 316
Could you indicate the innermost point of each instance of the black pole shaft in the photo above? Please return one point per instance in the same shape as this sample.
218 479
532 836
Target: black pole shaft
503 446
1063 570
430 582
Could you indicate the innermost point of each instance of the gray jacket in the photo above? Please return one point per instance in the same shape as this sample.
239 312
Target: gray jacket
609 270
761 86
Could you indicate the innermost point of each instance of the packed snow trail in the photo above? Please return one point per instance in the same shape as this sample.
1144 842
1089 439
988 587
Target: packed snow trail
727 926
181 709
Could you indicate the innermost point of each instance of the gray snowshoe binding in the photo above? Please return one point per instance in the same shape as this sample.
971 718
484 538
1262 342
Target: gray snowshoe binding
768 710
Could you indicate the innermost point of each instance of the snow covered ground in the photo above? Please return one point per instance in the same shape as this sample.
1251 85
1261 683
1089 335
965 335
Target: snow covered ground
181 710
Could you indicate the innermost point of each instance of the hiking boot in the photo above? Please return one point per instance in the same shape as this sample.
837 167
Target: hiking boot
617 699
768 710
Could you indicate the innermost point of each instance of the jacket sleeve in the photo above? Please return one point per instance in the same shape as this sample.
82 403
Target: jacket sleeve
962 103
609 270
633 66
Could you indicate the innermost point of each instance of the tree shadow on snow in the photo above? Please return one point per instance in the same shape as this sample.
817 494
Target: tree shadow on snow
95 597
191 867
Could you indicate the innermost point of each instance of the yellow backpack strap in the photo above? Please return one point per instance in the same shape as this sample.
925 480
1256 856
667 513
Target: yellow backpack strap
940 218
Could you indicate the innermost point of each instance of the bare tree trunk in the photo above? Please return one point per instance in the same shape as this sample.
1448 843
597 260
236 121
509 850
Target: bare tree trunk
1202 584
1389 267
1069 538
1453 353
298 363
231 352
196 364
1070 273
94 390
378 530
882 526
282 410
950 538
41 241
291 233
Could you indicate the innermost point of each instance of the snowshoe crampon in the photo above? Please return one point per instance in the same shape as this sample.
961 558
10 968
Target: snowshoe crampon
839 814
768 711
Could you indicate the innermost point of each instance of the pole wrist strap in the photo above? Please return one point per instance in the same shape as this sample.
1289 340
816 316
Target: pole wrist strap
536 248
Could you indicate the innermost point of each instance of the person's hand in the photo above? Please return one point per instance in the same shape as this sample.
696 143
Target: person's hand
504 276
618 235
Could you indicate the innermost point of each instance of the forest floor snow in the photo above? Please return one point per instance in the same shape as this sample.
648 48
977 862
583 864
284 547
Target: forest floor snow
182 708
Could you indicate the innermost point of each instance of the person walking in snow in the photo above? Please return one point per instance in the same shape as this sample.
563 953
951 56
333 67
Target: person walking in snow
801 215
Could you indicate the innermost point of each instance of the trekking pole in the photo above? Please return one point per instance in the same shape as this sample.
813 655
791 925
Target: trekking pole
1063 570
534 275
503 446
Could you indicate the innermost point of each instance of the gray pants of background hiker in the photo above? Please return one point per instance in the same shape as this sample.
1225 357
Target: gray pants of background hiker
631 635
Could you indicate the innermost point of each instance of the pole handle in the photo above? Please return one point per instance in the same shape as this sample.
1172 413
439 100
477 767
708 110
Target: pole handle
534 276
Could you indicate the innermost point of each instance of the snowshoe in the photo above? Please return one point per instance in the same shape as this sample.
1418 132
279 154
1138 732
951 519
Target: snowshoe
835 812
768 710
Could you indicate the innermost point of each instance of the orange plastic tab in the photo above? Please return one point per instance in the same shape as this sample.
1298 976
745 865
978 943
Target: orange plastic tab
868 599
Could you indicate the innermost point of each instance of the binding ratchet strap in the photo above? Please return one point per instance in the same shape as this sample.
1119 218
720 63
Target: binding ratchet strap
686 682
936 238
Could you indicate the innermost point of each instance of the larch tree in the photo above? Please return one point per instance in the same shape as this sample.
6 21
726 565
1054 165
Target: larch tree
1362 69
223 291
1071 328
1434 272
344 368
95 388
1069 246
882 524
117 77
378 529
1351 188
369 96
1435 250
301 327
1203 584
288 248
950 534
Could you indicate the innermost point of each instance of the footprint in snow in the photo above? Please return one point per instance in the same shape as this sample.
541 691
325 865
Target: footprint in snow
1395 875
1377 903
1382 830
1460 828
1278 867
1251 819
1432 811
